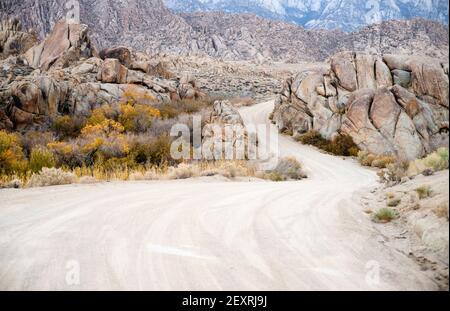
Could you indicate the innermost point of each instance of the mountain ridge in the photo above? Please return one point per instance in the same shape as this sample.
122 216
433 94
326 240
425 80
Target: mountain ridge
348 15
151 27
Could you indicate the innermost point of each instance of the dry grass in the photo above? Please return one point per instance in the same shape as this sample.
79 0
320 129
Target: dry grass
436 161
441 210
378 161
51 177
384 215
424 192
394 202
287 169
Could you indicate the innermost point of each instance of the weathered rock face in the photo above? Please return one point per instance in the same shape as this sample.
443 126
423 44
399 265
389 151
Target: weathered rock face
13 40
62 75
224 137
67 43
123 54
389 104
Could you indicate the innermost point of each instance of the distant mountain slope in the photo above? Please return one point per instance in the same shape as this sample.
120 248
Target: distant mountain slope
347 15
150 26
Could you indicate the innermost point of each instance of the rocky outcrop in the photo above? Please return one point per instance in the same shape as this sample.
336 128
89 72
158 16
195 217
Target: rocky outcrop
121 53
13 41
225 136
67 43
391 104
62 75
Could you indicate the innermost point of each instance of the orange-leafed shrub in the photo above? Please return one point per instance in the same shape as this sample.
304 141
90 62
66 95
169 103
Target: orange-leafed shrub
12 158
138 117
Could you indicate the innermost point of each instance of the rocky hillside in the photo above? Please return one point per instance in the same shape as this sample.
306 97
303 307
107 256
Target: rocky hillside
64 74
391 104
13 40
347 15
243 36
149 26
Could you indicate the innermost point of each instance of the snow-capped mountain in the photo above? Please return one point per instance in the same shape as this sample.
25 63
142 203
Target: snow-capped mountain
345 14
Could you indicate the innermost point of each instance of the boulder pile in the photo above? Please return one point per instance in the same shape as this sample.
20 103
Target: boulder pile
392 104
65 74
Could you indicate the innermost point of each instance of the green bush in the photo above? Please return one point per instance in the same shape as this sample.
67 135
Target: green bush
40 158
155 151
385 215
438 160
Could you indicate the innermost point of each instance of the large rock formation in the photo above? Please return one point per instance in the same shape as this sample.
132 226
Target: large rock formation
62 75
67 42
224 136
389 104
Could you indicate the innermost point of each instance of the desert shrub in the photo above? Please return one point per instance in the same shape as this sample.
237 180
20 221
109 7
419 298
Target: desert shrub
68 126
138 117
185 106
12 158
384 215
393 173
393 202
424 192
106 127
366 158
441 211
379 161
182 171
382 161
10 182
228 169
436 161
41 157
151 174
35 139
97 117
275 176
341 145
152 150
287 169
104 140
312 138
67 154
51 177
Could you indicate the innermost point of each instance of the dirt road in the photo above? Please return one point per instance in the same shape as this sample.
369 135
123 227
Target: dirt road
203 235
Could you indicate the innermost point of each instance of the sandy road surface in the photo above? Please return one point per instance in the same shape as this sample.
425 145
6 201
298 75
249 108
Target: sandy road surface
202 235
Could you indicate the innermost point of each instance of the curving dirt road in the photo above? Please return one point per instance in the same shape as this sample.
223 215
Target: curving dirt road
203 235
